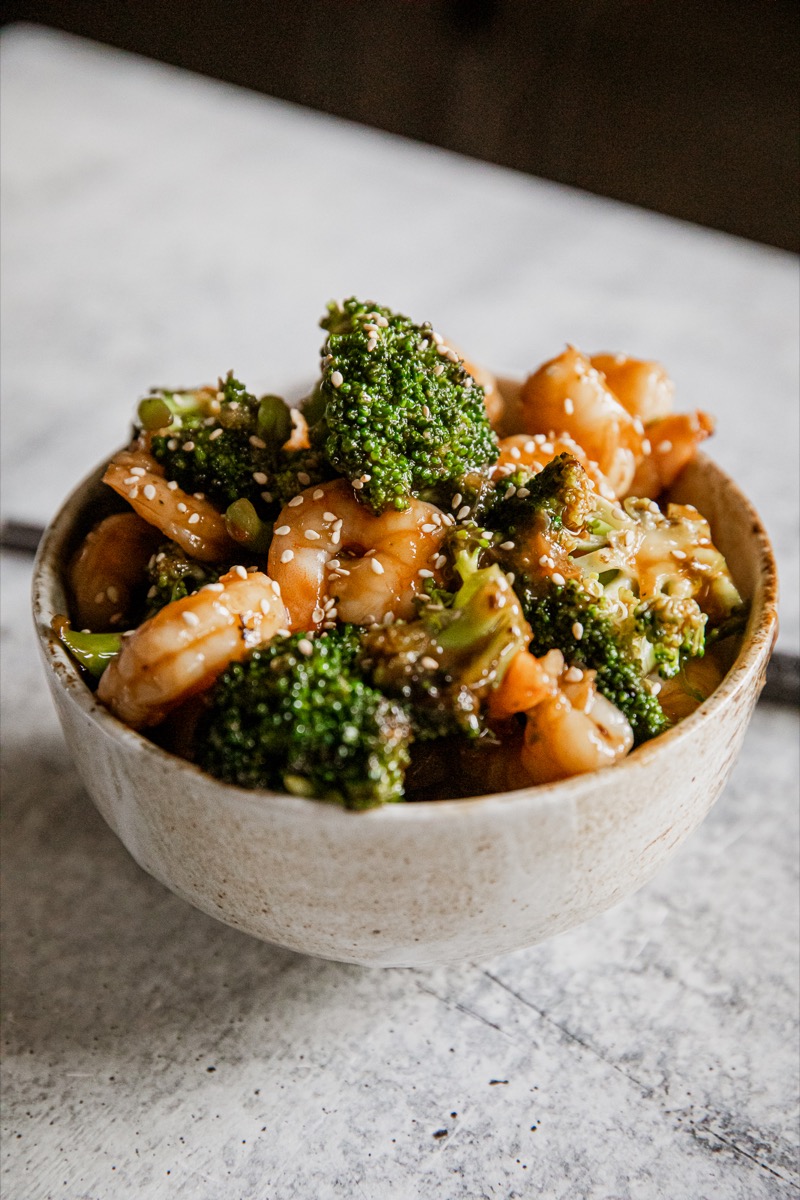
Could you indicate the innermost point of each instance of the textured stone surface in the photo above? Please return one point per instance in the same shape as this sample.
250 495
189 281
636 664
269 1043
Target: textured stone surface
161 228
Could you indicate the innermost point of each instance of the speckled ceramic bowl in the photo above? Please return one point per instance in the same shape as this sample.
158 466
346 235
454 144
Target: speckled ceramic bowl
422 883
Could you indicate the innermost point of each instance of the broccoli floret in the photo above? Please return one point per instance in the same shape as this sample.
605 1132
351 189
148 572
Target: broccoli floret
222 441
297 715
395 412
442 664
672 629
92 651
173 575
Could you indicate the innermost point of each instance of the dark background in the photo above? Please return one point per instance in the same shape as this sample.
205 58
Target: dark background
685 107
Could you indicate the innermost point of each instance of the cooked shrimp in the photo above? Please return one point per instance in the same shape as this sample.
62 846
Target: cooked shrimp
574 730
681 695
643 388
673 444
491 395
107 570
191 521
527 681
568 395
537 450
184 647
334 560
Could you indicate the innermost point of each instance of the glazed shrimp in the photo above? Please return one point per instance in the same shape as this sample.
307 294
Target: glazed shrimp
643 388
672 444
569 395
107 570
191 521
492 399
184 647
537 450
334 560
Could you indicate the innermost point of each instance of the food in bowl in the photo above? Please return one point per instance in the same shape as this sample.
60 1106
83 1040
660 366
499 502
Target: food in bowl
422 584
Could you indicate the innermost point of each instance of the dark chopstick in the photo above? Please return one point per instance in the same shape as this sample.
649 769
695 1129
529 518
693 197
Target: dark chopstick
783 673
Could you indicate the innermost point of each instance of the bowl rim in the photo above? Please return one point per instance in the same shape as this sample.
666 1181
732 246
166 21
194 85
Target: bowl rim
753 656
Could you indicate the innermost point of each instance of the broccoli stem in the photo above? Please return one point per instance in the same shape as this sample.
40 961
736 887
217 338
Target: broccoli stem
93 651
246 527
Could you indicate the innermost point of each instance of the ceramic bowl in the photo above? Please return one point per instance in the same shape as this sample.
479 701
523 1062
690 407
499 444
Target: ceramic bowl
418 883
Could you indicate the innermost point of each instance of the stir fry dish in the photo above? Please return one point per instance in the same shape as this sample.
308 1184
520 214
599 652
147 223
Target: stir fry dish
419 584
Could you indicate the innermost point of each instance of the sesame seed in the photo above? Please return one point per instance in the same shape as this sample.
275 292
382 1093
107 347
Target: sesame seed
259 477
338 523
577 631
265 606
440 560
329 516
131 479
510 492
215 433
112 593
463 513
138 471
267 497
287 556
133 493
342 571
312 535
328 624
282 530
335 537
424 573
282 632
149 491
646 447
529 447
357 484
100 598
191 618
240 571
318 614
574 675
258 442
187 446
664 447
428 528
337 379
377 566
371 344
452 356
515 452
510 576
172 444
679 554
655 686
523 492
295 502
333 564
456 501
213 587
182 507
317 494
437 338
276 587
305 647
430 664
426 412
558 579
438 369
507 545
172 485
303 478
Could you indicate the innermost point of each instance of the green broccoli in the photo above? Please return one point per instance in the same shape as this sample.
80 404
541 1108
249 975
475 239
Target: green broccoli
297 715
173 575
221 441
395 412
442 664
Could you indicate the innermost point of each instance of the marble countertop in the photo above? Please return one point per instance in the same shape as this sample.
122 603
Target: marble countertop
159 227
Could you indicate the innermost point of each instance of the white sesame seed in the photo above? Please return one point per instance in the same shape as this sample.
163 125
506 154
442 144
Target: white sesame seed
426 412
133 493
282 531
664 447
438 369
191 618
318 614
463 513
131 479
100 597
337 379
312 535
573 675
240 571
507 545
138 471
187 446
577 631
515 452
215 433
295 501
276 587
424 573
258 442
523 492
558 579
357 484
329 516
305 647
259 477
342 571
282 632
336 536
510 576
428 528
511 491
646 447
112 593
265 606
430 664
456 501
267 497
213 587
377 566
679 554
655 686
529 446
149 491
303 478
333 564
440 560
172 444
437 338
182 507
287 556
569 407
172 485
371 344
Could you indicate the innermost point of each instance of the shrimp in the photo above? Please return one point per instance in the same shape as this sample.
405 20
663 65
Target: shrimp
108 568
643 388
492 399
334 559
569 395
536 451
184 647
570 728
191 521
673 444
